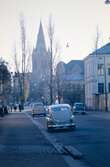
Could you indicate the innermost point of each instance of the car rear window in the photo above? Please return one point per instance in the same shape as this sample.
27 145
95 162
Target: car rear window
38 104
79 106
63 109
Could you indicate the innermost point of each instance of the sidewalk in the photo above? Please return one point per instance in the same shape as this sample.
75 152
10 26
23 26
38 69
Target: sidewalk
22 144
66 156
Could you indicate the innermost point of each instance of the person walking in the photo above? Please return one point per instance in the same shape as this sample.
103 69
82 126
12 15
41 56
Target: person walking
11 107
5 109
1 111
20 107
15 107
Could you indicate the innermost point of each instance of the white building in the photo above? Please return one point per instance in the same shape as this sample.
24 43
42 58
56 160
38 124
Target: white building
97 79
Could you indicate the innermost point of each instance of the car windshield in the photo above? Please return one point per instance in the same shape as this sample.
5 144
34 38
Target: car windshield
63 109
80 105
38 104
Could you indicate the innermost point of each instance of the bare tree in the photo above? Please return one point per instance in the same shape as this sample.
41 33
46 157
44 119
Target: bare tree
22 65
17 77
23 44
97 39
54 54
60 70
51 40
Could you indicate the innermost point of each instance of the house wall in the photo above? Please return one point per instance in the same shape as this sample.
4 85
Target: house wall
93 99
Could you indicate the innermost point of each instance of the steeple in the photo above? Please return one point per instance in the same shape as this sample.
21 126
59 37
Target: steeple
40 45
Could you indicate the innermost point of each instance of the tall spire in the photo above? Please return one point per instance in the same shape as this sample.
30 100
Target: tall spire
40 45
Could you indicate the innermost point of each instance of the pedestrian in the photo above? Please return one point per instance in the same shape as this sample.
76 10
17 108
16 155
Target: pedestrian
20 107
1 111
5 110
11 107
15 107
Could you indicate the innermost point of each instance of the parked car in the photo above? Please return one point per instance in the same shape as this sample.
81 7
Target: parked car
60 116
79 108
38 109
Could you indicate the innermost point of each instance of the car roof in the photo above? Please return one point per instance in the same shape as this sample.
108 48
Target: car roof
59 105
38 103
35 104
78 103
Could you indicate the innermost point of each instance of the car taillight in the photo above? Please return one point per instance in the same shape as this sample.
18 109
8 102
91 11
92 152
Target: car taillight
72 118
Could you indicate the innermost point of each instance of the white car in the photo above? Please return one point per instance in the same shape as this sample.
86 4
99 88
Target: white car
38 109
60 116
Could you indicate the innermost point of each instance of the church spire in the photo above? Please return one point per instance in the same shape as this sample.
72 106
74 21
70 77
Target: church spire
40 45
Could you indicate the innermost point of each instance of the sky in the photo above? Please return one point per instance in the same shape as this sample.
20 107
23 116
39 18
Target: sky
75 23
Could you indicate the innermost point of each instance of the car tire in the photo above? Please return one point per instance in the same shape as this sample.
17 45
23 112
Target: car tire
83 113
49 129
73 128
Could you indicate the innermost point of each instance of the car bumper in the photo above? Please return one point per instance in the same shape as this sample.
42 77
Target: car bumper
61 126
79 112
39 114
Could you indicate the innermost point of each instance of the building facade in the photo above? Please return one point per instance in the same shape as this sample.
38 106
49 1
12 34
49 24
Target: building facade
40 58
97 79
71 79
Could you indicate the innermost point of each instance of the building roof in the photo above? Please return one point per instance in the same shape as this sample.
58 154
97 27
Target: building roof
103 50
40 45
73 64
74 70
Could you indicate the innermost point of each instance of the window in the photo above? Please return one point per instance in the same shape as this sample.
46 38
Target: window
101 88
100 69
108 71
63 109
109 87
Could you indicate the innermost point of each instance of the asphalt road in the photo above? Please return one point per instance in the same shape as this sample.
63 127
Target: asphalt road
23 145
91 137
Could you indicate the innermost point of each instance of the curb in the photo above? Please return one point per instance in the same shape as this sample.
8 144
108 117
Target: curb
70 154
73 152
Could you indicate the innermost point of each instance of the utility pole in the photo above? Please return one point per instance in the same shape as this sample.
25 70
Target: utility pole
105 78
51 40
105 83
51 73
23 42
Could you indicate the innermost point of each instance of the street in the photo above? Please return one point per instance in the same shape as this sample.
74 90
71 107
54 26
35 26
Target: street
25 141
91 137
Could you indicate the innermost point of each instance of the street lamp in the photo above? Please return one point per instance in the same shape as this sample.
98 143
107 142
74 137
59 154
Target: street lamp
107 1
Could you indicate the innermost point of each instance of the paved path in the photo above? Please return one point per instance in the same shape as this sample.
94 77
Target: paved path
23 145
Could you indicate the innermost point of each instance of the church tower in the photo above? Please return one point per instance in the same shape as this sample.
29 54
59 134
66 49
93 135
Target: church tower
40 58
40 65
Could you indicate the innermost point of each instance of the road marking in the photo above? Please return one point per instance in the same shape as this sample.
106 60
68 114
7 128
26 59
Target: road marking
59 147
74 152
